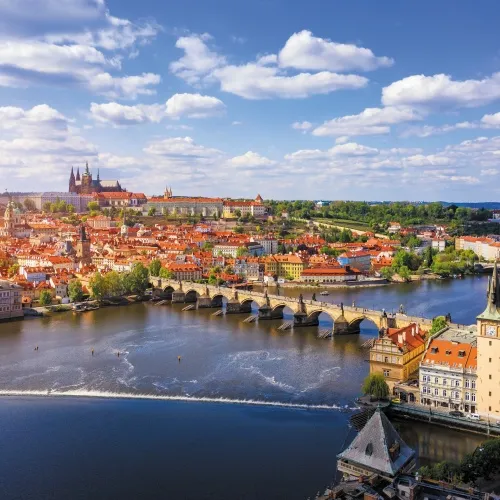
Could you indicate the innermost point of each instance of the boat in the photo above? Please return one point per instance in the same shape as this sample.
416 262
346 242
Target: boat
324 292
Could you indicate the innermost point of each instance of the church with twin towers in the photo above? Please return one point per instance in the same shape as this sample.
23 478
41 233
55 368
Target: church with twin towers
86 184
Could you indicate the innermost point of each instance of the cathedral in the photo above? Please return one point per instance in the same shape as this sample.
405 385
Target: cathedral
87 185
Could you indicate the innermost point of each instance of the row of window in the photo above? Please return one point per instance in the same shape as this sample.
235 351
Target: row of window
456 395
469 384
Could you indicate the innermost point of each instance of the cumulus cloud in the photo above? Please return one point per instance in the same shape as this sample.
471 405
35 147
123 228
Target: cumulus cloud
119 114
303 126
251 160
428 130
262 79
183 148
304 51
194 106
441 91
55 46
371 121
491 121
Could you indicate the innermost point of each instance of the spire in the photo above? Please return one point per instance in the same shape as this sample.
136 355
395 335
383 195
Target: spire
492 310
98 175
87 171
78 173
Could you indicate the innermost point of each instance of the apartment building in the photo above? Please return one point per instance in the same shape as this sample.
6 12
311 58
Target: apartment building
10 300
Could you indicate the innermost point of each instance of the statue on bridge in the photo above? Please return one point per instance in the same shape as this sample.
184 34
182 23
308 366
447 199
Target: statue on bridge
402 309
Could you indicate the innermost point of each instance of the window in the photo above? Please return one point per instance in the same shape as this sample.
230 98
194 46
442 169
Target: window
457 383
444 392
489 394
490 360
387 373
386 360
467 383
490 342
473 384
489 377
444 381
436 392
424 390
436 380
467 396
473 396
457 395
424 378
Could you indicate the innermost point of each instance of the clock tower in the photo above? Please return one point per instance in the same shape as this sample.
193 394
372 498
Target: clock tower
488 351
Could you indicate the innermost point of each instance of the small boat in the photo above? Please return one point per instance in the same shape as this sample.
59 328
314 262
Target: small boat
324 292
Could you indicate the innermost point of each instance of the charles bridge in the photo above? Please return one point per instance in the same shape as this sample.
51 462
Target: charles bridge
346 319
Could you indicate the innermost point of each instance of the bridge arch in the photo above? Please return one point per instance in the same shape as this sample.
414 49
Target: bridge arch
191 295
370 324
168 291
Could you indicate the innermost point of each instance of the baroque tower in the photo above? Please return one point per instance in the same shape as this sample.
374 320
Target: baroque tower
83 246
488 351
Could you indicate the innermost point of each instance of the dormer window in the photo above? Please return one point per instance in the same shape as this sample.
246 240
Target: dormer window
448 353
369 449
461 354
434 350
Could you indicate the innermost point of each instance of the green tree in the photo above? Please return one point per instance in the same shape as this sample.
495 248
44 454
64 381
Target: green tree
239 229
29 205
404 272
155 268
113 284
166 273
376 386
387 273
45 298
237 213
97 286
139 278
438 323
13 270
46 206
93 206
152 211
428 256
75 290
240 251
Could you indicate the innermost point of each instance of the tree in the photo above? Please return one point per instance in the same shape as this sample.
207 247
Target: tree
404 272
152 211
428 256
97 285
29 205
237 213
376 386
75 290
93 206
387 273
166 273
139 276
13 270
45 298
113 284
239 229
155 268
240 251
438 323
46 206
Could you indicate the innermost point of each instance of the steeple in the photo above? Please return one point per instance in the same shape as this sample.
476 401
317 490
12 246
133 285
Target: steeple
87 171
492 310
72 183
78 174
98 175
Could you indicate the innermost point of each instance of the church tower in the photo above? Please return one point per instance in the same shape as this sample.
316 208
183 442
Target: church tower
488 351
72 182
78 174
83 246
86 185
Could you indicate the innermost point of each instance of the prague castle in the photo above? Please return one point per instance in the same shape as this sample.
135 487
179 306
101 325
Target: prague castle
87 185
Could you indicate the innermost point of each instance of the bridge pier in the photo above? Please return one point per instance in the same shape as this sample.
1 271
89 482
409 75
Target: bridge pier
204 303
178 297
265 312
190 298
301 319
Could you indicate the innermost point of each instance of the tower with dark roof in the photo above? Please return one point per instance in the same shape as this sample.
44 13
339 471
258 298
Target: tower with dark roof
72 182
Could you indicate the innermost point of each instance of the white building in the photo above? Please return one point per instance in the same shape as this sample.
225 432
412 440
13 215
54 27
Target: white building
448 371
10 300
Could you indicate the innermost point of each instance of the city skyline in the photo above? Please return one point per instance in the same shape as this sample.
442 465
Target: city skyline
318 101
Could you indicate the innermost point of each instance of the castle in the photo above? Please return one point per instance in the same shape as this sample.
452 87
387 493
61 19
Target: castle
86 185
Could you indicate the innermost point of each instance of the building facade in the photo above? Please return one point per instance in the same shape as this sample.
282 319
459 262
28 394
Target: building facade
184 206
448 371
10 300
86 184
396 355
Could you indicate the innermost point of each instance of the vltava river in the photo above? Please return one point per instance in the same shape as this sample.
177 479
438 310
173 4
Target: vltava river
248 411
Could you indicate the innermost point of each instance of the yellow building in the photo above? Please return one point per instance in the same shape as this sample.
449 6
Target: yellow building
285 266
397 354
488 351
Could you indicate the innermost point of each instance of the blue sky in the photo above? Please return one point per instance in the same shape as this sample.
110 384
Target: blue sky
323 99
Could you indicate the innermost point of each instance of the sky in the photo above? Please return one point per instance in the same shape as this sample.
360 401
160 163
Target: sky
324 99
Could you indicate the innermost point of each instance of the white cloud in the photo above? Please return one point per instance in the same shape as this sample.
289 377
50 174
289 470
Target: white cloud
490 171
57 46
236 122
251 160
371 121
303 126
441 91
420 160
198 60
491 121
342 139
255 80
194 106
304 51
429 130
181 148
118 114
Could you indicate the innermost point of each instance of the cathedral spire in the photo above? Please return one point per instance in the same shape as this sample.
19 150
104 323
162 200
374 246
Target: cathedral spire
77 173
87 171
98 175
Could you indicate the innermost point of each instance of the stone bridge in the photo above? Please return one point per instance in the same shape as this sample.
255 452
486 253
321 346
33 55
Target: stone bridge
346 319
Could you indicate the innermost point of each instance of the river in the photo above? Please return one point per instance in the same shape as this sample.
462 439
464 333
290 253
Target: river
247 412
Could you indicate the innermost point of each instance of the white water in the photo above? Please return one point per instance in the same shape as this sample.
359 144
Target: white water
122 395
